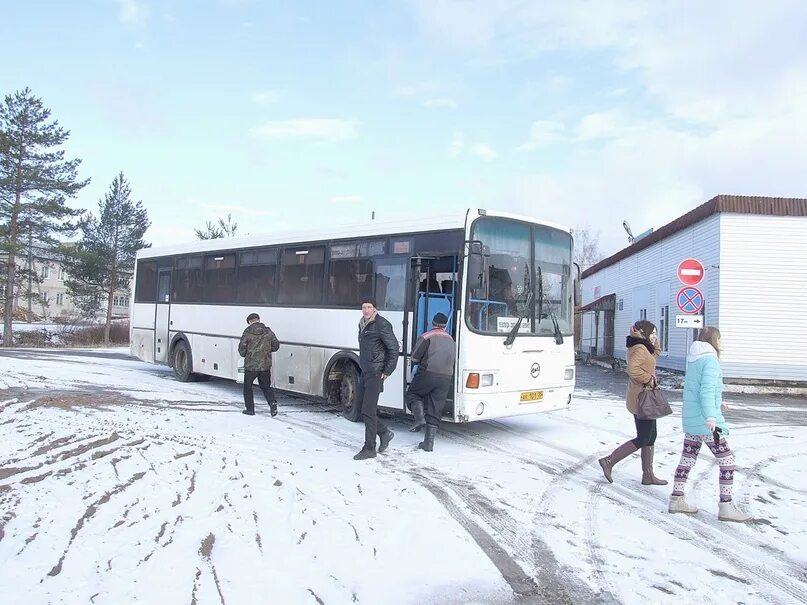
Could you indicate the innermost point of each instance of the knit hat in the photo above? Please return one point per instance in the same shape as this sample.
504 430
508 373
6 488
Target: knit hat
368 300
440 319
252 316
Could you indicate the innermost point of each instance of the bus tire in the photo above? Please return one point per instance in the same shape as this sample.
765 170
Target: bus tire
183 362
349 392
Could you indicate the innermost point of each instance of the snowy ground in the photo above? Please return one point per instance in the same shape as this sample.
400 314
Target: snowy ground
120 485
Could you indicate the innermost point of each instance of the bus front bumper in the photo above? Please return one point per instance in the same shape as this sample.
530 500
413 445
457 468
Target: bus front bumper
484 406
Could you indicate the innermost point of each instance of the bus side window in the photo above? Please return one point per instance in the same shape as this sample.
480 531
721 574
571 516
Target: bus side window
349 281
302 271
146 286
390 283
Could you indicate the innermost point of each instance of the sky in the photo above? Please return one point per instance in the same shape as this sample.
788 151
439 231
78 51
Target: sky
296 114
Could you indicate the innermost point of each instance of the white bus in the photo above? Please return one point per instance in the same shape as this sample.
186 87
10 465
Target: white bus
505 282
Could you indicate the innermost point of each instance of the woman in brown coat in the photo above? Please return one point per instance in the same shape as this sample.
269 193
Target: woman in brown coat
643 349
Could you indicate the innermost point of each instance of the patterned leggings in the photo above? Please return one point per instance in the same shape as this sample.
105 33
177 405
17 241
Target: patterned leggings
725 459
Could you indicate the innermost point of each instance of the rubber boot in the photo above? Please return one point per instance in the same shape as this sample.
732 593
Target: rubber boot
620 453
728 512
428 441
648 478
679 504
384 439
420 420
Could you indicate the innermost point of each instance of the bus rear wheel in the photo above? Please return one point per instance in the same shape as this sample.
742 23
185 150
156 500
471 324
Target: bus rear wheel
183 362
349 393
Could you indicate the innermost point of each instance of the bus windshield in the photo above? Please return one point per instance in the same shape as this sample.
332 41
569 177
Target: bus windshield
521 259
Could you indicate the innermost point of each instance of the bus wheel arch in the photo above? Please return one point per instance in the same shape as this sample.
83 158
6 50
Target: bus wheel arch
181 359
342 383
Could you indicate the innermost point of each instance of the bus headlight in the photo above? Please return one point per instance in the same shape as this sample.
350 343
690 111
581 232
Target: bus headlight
480 408
487 380
568 374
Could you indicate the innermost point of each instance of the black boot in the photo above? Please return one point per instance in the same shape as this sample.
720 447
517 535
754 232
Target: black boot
420 420
365 453
428 441
248 412
384 439
273 409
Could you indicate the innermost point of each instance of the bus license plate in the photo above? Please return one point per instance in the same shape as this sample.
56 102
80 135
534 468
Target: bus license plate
531 396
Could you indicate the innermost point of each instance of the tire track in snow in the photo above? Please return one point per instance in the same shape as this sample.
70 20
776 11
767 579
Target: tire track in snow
555 585
88 515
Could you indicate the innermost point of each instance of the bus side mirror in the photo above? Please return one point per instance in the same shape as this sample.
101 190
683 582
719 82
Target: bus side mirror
578 287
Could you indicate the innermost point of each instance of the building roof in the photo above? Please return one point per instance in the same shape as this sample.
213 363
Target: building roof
603 303
736 204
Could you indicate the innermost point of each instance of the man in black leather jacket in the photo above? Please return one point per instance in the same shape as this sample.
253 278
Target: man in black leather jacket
378 356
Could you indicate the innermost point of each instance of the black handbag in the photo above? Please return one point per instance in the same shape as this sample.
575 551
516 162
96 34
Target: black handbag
652 403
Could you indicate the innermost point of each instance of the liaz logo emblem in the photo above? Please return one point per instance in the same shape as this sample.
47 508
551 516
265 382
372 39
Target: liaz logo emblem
535 370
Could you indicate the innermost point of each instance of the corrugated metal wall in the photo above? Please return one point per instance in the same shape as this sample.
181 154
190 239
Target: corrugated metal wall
763 283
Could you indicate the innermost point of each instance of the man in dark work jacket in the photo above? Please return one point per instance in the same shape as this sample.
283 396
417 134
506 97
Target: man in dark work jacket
378 356
434 353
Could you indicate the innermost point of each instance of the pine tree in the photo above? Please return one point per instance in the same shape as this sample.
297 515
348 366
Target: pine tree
222 229
106 251
35 183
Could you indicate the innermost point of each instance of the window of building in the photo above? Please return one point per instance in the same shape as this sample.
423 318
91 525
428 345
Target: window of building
390 284
301 275
642 313
664 327
188 279
45 298
125 301
60 299
349 281
146 282
219 278
123 282
61 273
45 272
115 301
257 275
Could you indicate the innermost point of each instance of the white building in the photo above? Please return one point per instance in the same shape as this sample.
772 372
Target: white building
51 300
754 251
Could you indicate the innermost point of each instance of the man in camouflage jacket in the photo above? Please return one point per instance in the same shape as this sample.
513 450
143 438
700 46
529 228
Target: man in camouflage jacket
257 344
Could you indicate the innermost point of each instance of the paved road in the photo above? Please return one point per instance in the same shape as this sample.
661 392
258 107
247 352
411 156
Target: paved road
745 408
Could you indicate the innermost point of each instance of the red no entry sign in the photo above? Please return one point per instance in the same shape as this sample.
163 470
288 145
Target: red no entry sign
690 272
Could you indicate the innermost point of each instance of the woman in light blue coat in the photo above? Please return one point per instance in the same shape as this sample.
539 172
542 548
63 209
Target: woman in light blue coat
703 421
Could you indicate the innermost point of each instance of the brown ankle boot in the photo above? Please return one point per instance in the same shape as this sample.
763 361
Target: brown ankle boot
648 478
607 463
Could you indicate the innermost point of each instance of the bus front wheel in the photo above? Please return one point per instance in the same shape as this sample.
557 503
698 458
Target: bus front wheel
349 393
183 362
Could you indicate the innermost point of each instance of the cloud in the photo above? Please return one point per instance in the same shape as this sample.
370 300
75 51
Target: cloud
412 90
542 134
457 143
132 12
683 112
482 150
321 130
265 97
440 103
345 199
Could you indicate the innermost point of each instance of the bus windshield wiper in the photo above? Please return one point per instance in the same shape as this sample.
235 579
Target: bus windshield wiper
511 337
558 334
